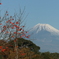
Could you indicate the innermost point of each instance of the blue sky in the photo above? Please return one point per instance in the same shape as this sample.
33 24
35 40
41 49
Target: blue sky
39 11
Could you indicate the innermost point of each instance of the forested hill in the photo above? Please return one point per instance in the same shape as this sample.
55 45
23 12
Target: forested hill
26 50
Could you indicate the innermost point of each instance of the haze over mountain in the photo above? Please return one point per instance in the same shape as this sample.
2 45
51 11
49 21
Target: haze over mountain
45 36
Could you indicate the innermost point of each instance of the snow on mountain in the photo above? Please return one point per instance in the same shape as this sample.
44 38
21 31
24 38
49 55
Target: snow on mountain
45 36
37 28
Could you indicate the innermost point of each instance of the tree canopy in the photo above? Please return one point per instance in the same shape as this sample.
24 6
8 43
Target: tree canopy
27 44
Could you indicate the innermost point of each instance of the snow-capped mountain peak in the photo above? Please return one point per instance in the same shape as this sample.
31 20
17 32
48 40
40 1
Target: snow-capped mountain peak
46 27
45 36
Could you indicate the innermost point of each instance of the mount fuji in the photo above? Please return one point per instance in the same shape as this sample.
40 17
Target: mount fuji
45 36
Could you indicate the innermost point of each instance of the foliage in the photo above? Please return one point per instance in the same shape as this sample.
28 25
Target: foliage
46 55
26 43
23 51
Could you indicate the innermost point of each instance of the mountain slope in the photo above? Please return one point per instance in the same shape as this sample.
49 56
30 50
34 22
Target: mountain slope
45 36
39 27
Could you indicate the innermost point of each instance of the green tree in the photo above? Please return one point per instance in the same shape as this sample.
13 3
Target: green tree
27 44
45 55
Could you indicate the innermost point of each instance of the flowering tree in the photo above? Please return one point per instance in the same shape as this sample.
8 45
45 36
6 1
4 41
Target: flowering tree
11 29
